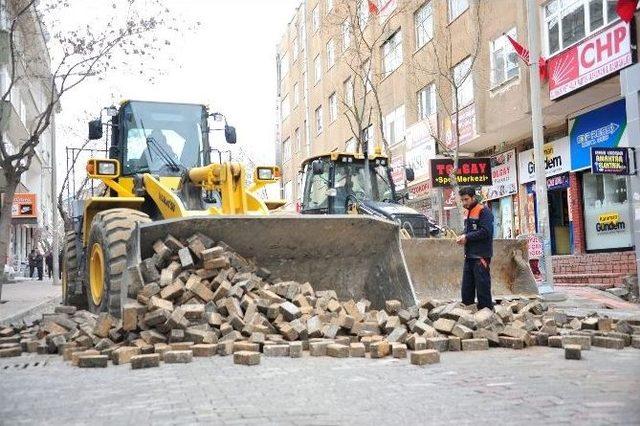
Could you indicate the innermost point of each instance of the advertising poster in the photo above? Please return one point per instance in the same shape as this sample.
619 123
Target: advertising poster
503 175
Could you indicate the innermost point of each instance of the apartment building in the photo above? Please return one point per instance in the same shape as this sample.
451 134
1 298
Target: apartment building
431 56
32 205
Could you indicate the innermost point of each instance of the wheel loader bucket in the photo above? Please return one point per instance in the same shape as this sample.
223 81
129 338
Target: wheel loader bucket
357 256
436 266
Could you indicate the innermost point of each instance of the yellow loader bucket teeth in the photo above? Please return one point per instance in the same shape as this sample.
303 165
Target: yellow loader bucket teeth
357 256
436 268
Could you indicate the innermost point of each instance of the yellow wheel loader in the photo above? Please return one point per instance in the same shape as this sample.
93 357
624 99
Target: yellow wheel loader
350 183
162 178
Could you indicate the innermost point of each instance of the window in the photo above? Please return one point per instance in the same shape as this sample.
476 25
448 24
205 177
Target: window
363 13
286 150
296 49
318 120
346 35
329 5
463 78
286 107
348 91
457 8
392 53
567 22
315 18
427 101
394 126
288 191
333 107
331 54
298 139
317 67
369 136
504 60
296 95
423 21
284 66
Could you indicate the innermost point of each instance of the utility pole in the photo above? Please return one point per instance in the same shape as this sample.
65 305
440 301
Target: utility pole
54 206
542 202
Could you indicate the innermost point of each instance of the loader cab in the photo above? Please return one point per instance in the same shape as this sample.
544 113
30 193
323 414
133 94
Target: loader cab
333 182
164 139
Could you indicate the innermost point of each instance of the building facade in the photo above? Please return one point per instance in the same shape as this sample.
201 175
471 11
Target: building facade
430 59
33 204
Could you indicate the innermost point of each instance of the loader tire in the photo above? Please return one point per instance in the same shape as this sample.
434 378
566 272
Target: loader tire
71 280
107 257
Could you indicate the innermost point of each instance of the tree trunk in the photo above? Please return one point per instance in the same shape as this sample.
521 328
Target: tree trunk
5 224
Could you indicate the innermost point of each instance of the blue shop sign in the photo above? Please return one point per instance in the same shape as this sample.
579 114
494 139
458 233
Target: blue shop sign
601 128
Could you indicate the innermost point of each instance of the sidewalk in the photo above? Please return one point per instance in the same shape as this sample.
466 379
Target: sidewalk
26 298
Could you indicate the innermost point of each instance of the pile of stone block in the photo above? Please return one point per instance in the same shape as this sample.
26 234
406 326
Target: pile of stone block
199 298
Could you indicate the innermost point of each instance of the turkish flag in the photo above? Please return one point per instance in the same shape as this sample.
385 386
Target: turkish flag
626 9
373 8
523 52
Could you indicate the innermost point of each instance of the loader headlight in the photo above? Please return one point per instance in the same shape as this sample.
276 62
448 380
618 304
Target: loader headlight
265 174
105 168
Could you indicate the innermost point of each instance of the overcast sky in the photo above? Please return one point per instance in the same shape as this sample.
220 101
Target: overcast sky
228 62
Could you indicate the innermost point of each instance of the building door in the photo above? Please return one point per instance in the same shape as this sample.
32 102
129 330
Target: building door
559 222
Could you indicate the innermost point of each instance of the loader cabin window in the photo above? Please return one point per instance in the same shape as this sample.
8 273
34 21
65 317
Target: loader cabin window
162 139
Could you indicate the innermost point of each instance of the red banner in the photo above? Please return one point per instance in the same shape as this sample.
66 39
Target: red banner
602 54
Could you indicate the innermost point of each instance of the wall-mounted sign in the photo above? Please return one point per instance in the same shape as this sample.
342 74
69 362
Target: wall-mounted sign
397 166
420 146
557 159
467 127
604 127
596 57
421 189
24 206
503 175
471 171
558 182
610 161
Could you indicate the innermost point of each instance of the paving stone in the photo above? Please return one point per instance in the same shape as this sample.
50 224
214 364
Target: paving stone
178 357
635 342
511 342
462 332
607 342
276 350
399 350
380 349
318 348
295 349
555 341
124 354
204 349
225 347
424 357
145 361
357 350
572 351
455 344
475 344
246 358
444 325
11 352
246 346
583 341
336 350
441 344
93 361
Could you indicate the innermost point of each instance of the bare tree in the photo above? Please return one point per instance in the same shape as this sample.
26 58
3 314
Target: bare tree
450 62
365 32
83 52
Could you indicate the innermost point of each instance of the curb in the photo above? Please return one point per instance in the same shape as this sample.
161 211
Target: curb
33 310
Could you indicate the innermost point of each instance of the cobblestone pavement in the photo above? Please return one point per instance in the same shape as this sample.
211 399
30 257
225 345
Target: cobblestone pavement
501 386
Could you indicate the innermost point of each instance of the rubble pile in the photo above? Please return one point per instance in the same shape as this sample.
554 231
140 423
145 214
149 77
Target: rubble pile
198 298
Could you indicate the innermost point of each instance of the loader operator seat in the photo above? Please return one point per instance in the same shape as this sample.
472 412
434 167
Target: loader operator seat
157 145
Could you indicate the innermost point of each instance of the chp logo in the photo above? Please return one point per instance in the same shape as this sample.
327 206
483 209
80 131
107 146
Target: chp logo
610 222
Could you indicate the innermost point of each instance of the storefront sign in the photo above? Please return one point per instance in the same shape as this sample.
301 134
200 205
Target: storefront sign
24 206
449 198
420 147
558 182
421 189
471 171
397 166
467 127
596 57
612 161
503 175
557 159
604 127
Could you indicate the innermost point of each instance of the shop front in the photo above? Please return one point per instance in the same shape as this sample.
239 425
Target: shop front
557 165
606 209
501 195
